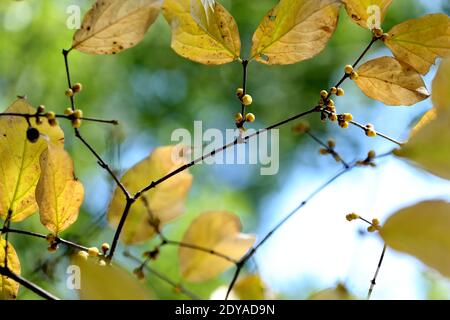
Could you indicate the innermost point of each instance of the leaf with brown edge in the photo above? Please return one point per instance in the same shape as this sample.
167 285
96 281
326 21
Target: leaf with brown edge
441 87
206 34
364 12
392 82
422 231
159 205
19 160
58 193
108 282
8 287
219 231
419 42
115 25
295 30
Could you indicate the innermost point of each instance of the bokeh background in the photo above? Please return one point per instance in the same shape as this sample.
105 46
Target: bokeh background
152 91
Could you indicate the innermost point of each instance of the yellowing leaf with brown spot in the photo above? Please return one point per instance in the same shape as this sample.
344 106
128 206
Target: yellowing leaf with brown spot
422 231
8 287
295 30
206 34
250 287
163 203
218 231
418 42
115 25
368 14
429 146
392 82
19 160
58 193
441 87
108 282
340 292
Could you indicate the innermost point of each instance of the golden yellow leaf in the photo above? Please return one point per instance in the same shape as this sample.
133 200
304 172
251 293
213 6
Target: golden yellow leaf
422 231
8 287
295 30
58 193
429 146
418 42
368 14
163 203
219 231
115 25
441 87
430 115
250 287
340 292
107 282
206 34
19 160
392 82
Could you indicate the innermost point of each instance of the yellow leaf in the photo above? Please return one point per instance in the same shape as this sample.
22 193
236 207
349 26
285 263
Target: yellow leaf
441 87
19 160
392 82
250 287
338 293
429 146
107 282
115 25
418 42
295 30
422 231
218 231
8 287
206 34
58 193
429 116
163 203
367 13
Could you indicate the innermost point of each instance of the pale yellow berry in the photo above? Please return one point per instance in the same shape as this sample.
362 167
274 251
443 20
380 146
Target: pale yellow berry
371 133
240 93
343 124
69 92
375 222
340 92
324 94
348 69
324 151
371 229
68 112
378 32
77 87
41 109
250 117
333 117
238 117
93 252
83 254
105 247
53 122
78 114
50 115
247 100
354 75
347 116
331 143
330 103
76 123
333 90
371 154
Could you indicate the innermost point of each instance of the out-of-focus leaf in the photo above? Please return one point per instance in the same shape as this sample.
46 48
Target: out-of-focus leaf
161 204
219 231
441 87
206 34
392 82
295 30
19 160
338 293
8 287
115 25
418 42
58 193
250 287
422 231
364 12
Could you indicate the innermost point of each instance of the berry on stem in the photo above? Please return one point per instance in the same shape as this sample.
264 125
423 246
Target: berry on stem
348 69
340 92
250 117
69 92
240 93
247 100
77 87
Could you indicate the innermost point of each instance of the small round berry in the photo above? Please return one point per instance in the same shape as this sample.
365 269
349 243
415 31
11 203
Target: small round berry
250 117
343 124
105 247
238 117
52 248
32 134
76 123
355 216
333 117
330 103
41 109
240 93
371 133
93 252
378 32
78 114
69 93
324 94
375 222
68 112
77 87
340 92
348 69
354 76
371 229
53 122
247 100
324 151
371 154
50 115
347 116
83 254
370 126
333 90
331 143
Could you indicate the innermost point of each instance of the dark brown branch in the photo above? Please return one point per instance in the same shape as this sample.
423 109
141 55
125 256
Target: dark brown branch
373 282
28 116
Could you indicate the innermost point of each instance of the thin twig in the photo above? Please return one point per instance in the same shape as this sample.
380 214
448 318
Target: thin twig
373 282
200 248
